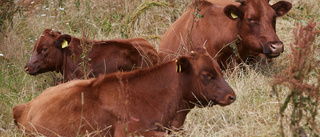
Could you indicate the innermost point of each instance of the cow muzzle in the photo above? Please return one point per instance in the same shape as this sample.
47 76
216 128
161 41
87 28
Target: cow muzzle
28 70
227 100
275 49
230 98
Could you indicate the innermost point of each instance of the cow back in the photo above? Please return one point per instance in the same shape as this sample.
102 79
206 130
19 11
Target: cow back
63 53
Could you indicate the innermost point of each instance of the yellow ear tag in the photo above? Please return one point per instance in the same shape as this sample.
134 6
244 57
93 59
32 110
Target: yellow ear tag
178 67
64 44
234 15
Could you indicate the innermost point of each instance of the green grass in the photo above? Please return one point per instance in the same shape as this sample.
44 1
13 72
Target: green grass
255 112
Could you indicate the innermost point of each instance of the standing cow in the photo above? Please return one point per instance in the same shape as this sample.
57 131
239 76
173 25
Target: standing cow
62 53
142 102
226 29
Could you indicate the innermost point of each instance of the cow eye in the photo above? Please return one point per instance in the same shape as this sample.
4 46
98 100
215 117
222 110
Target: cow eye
250 20
207 76
44 49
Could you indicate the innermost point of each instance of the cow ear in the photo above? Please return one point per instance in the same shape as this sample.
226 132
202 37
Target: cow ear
183 64
63 41
282 7
51 33
233 12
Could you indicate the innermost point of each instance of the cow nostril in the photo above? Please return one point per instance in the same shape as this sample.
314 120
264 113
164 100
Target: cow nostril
26 69
276 46
273 46
232 98
276 49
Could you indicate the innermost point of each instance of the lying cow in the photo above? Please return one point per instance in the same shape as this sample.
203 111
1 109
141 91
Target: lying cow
227 29
62 53
142 102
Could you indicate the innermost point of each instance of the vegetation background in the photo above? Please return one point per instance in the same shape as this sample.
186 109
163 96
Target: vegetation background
255 112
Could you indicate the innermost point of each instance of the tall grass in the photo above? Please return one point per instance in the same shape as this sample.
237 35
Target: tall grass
255 112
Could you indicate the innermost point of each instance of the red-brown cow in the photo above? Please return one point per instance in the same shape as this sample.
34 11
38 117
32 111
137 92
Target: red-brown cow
106 56
218 23
141 102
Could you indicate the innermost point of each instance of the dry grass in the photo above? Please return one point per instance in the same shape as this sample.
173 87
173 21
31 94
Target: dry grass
255 113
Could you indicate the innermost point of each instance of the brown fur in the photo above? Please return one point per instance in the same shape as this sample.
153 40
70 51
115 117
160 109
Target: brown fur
141 102
106 56
217 28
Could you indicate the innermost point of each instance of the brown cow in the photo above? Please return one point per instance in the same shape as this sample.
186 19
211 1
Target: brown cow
141 102
106 56
219 25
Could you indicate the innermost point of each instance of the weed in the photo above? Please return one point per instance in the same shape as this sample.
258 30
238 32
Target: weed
86 46
302 77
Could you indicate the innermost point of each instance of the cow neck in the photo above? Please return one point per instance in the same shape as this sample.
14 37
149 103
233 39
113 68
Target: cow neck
64 63
241 51
181 106
187 87
159 78
164 72
234 45
71 56
184 84
164 83
191 88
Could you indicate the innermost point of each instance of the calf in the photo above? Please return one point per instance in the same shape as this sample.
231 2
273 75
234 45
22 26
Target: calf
142 102
62 53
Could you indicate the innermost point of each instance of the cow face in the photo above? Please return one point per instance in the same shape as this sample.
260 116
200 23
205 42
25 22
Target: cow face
257 21
207 78
47 53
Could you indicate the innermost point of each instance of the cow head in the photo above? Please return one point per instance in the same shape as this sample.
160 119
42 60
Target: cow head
47 53
205 76
257 22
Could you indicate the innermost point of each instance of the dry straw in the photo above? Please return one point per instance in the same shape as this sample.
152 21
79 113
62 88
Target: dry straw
133 16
